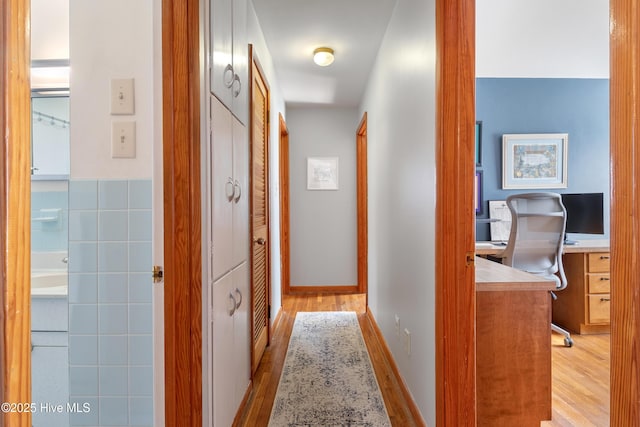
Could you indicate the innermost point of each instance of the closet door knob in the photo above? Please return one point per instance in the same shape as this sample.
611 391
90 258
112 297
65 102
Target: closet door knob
236 186
231 309
229 189
236 92
260 240
239 294
228 70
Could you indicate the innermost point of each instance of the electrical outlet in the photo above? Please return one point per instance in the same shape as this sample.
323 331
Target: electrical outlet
407 341
397 325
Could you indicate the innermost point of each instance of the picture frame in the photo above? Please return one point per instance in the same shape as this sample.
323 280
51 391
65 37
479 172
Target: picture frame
478 143
534 161
322 173
477 192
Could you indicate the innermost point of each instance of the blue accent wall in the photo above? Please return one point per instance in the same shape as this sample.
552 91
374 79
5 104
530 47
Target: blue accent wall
579 107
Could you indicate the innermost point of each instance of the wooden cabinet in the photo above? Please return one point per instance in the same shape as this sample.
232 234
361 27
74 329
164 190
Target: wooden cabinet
229 191
230 344
584 306
229 55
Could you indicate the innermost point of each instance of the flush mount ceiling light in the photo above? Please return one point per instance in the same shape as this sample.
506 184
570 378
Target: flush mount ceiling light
323 56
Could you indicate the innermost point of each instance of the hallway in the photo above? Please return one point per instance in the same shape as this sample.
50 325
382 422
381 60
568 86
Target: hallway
268 373
580 374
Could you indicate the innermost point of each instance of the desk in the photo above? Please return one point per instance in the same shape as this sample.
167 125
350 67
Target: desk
584 306
513 346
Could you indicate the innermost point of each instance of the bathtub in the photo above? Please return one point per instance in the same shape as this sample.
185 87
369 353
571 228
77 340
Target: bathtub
49 273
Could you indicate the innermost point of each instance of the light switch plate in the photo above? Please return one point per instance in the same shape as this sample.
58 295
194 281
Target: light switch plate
122 99
123 140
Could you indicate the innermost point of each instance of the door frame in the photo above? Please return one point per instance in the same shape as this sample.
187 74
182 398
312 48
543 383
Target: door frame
285 242
362 207
361 213
455 23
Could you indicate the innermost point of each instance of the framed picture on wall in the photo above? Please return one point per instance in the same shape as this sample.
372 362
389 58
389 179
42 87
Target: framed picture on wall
322 173
477 192
534 160
478 143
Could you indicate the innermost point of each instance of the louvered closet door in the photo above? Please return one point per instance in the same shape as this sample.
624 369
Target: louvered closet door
259 216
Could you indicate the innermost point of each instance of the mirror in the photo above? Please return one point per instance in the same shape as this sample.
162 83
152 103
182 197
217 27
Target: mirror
50 136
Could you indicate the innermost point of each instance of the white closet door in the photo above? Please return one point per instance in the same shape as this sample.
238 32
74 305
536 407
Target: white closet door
241 346
240 88
223 305
222 188
220 27
241 198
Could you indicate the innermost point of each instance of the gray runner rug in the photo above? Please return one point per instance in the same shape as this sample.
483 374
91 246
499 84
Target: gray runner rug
327 378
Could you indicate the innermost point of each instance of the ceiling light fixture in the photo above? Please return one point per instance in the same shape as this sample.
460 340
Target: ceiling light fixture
323 56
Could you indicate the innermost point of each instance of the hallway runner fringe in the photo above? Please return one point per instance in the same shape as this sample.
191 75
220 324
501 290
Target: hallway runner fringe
327 378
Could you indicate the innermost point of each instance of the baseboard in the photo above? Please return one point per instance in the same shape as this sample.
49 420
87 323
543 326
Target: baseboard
326 289
413 408
275 323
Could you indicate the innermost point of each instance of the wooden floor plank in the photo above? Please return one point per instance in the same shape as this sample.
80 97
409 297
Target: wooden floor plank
580 373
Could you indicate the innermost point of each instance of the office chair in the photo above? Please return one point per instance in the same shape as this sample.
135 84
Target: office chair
536 239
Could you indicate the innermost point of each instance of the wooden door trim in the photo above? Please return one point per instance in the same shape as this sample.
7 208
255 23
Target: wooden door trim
15 218
182 212
362 206
625 220
285 242
455 222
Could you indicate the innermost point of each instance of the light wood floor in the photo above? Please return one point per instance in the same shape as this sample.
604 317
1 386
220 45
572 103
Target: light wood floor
580 373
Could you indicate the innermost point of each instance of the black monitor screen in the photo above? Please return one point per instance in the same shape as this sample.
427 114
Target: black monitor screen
584 213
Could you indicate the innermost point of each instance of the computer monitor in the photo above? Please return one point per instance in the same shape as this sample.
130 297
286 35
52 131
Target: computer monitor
585 213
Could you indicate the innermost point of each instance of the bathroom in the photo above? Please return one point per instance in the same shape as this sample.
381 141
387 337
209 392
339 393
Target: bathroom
92 296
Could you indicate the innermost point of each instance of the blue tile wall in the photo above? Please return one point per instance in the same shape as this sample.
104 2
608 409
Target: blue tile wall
110 302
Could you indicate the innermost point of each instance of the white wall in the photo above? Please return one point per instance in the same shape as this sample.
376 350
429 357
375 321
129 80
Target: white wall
544 38
110 39
256 38
323 223
49 29
400 102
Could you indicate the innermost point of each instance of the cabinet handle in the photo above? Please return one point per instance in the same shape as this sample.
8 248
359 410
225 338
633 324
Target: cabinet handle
228 83
604 278
605 299
233 306
240 298
236 78
237 186
229 189
604 256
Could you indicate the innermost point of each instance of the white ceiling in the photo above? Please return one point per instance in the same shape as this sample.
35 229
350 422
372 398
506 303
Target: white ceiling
352 28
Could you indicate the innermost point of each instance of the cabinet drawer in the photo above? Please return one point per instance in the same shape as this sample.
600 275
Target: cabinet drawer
599 283
599 262
599 308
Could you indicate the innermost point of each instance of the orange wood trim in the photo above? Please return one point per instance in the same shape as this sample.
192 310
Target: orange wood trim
285 242
276 322
455 222
362 206
327 289
16 207
182 212
625 220
413 408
